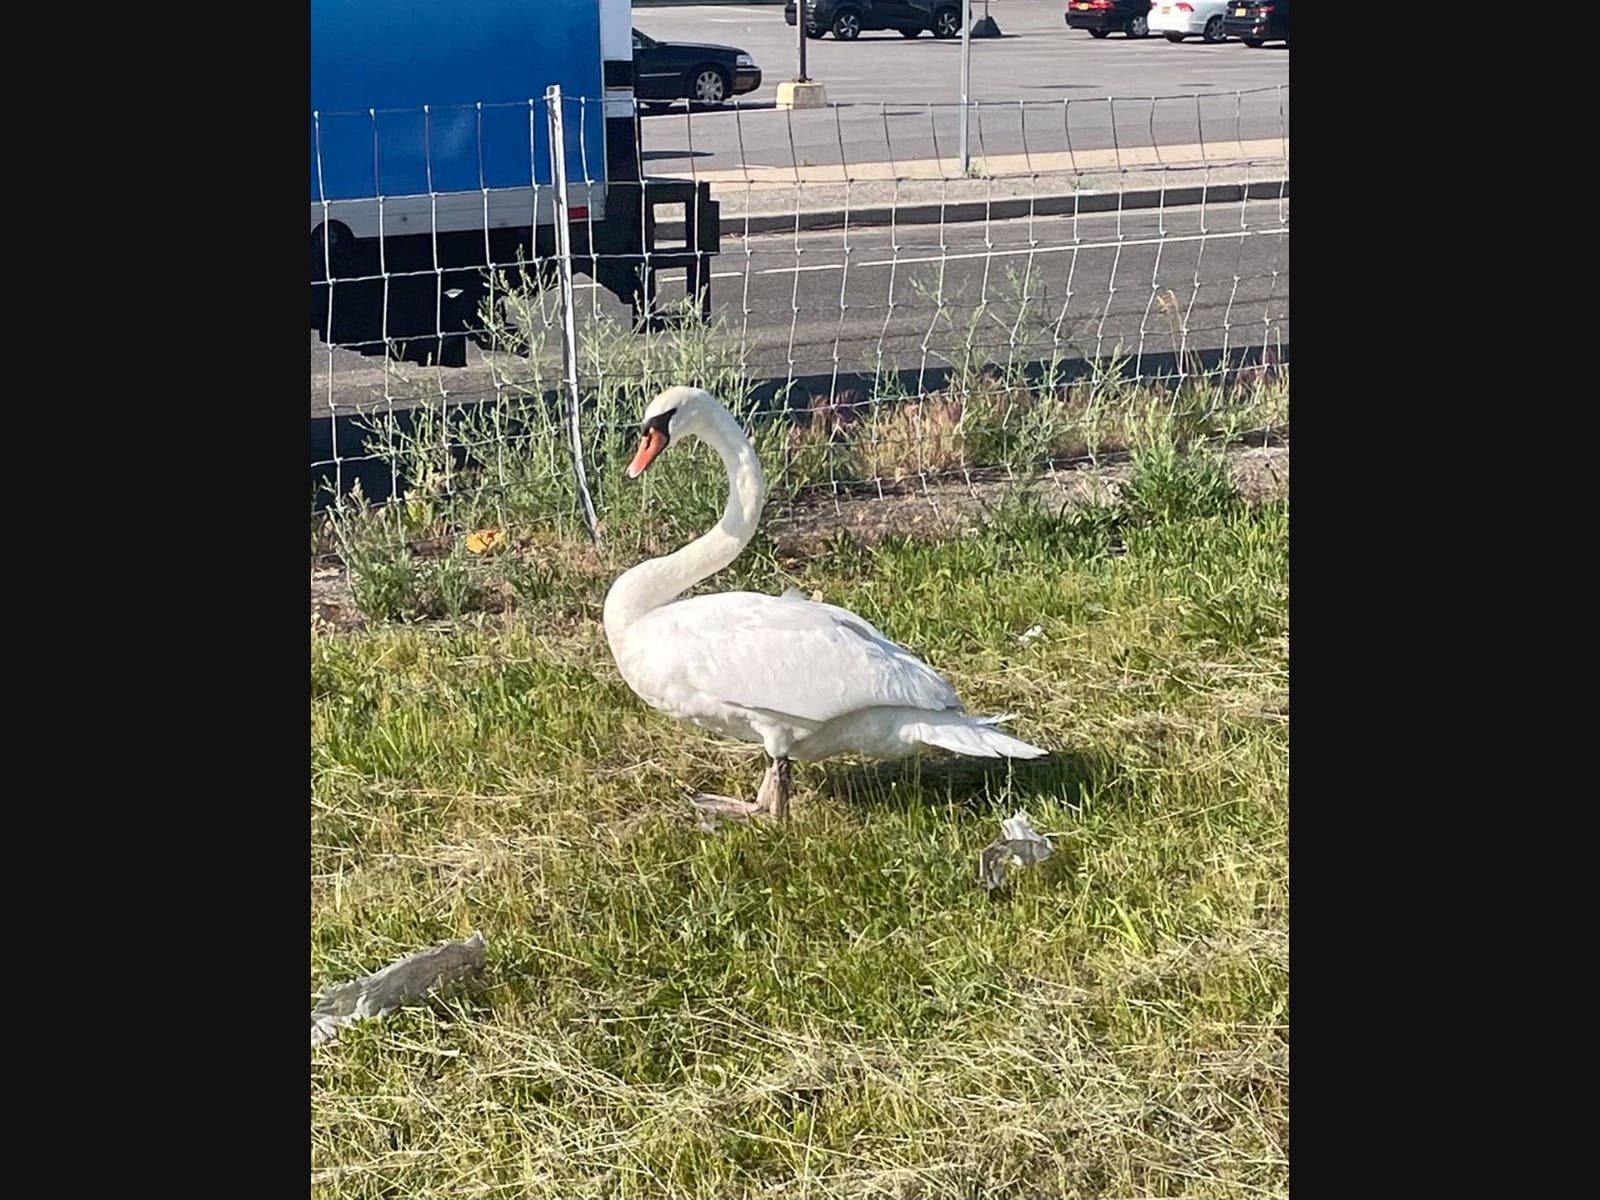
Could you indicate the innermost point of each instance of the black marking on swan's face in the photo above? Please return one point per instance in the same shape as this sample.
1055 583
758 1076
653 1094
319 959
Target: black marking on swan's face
656 434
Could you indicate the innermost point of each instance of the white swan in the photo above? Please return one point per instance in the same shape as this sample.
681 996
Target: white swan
804 680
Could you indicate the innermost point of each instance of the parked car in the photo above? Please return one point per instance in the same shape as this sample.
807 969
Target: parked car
701 74
846 19
1257 24
1178 19
1104 17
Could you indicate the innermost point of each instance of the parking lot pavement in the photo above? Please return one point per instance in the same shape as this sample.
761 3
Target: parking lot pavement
1041 88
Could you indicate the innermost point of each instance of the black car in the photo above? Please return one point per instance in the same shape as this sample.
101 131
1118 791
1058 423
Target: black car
1104 17
667 71
1255 24
845 19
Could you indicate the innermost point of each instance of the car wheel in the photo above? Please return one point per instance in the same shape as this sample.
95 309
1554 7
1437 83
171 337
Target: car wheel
1253 43
947 23
1213 31
1175 37
910 32
709 86
1099 33
847 26
1139 27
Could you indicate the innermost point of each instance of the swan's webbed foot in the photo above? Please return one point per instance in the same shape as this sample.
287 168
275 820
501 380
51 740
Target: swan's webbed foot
722 808
771 802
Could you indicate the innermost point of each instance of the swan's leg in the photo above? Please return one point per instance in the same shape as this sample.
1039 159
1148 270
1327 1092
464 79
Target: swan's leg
773 797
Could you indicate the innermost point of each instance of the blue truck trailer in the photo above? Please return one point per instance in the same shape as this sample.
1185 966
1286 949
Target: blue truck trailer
431 167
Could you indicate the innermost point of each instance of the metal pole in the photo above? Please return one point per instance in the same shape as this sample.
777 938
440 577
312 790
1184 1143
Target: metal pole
966 80
569 329
800 30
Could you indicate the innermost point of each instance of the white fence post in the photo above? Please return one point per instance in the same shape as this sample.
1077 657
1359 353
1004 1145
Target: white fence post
569 329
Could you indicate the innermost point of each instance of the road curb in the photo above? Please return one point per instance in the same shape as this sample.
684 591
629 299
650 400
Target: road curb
1005 209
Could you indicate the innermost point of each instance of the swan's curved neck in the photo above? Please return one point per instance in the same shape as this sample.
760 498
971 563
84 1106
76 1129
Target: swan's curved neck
656 581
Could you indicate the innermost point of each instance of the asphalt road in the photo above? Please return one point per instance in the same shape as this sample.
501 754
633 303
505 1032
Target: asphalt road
1041 88
919 298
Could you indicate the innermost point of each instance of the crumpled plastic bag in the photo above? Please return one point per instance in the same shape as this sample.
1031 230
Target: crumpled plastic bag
1020 845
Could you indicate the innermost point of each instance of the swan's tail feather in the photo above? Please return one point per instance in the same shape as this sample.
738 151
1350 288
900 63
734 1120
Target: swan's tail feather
977 737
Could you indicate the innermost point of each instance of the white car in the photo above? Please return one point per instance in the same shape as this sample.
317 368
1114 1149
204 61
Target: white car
1179 19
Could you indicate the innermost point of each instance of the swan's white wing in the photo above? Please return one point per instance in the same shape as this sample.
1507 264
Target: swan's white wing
783 655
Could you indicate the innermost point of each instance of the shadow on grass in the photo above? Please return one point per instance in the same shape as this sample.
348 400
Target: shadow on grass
983 787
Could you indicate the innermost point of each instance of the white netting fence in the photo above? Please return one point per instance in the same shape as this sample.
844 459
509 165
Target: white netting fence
883 318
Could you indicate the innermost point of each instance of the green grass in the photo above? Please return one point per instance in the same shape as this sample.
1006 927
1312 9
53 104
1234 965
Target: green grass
836 1007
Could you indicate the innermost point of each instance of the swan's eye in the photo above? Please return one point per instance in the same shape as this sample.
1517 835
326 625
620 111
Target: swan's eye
661 421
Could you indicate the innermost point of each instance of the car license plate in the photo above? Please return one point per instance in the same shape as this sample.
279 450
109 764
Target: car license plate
1165 9
1241 12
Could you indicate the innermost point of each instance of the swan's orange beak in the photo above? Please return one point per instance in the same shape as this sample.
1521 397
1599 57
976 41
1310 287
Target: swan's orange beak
653 444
